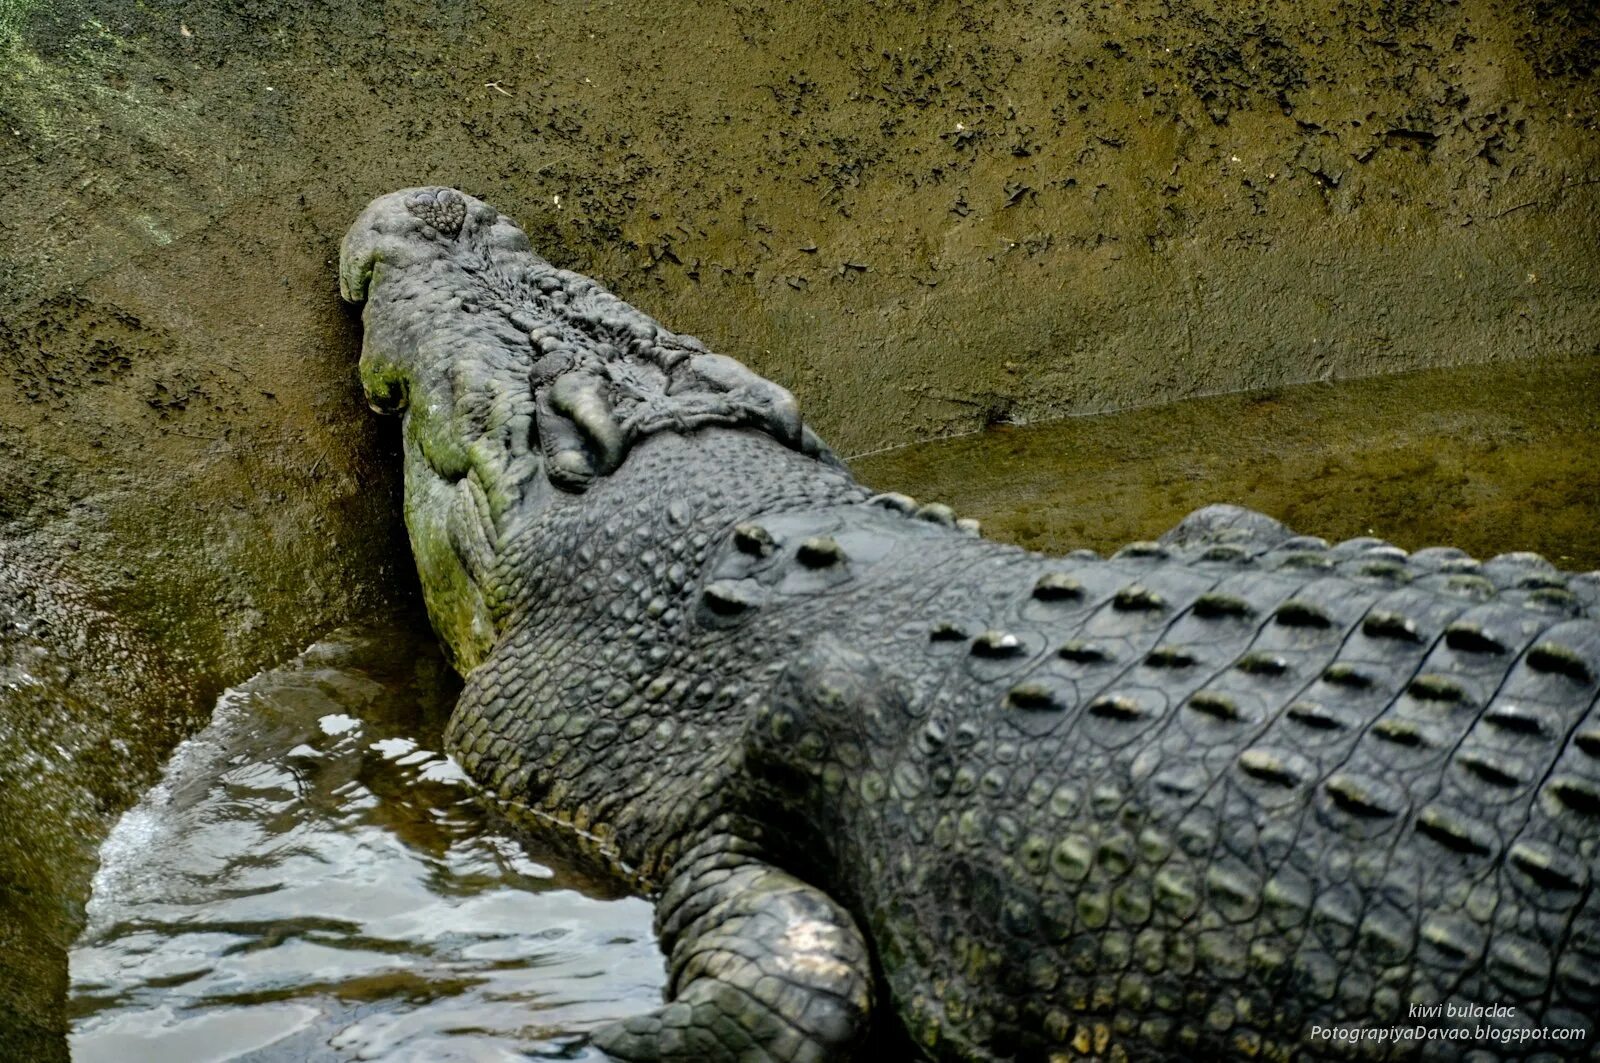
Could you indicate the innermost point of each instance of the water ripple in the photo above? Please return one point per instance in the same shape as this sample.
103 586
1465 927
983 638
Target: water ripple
313 880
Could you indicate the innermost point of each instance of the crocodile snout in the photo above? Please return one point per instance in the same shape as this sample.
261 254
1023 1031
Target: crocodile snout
404 228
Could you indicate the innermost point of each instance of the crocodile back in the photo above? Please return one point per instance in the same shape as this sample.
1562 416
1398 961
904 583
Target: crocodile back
1216 799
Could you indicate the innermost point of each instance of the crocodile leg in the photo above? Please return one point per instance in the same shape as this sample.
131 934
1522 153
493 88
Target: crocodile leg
762 967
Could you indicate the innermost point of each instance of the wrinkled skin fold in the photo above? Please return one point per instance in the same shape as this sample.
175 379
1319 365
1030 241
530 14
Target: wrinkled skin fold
1209 798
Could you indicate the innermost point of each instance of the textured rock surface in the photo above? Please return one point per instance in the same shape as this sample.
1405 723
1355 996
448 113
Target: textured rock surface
1196 800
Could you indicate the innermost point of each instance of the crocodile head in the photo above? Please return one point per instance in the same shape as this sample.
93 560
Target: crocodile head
519 384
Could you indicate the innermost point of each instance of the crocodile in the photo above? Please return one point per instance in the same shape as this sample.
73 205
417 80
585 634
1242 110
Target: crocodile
1236 793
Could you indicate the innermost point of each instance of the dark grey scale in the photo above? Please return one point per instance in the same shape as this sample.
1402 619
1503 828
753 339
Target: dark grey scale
1122 713
1518 967
894 501
1275 776
1570 793
1100 654
1467 586
1057 587
1215 717
1541 581
1233 889
1060 596
1451 944
1547 874
1229 614
1313 724
1358 546
1143 607
1568 657
1492 775
1401 626
1434 558
1511 746
1137 598
1230 554
1449 827
996 652
950 634
1320 613
1361 805
1509 570
725 600
754 540
1586 588
1577 969
1459 566
1038 706
1388 934
1171 658
1264 665
1317 703
1335 918
820 551
1299 554
1378 567
1299 562
1142 550
1554 602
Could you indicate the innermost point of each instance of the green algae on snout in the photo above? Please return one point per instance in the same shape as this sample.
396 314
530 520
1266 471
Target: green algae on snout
1488 459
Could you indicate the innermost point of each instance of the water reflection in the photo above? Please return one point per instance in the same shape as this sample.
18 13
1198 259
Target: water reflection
312 880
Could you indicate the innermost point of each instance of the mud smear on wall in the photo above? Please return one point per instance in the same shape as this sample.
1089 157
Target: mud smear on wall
922 218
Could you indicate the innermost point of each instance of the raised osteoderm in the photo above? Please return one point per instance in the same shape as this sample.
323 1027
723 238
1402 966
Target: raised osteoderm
1212 797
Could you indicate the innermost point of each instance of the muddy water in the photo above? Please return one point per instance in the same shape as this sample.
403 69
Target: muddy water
313 880
1488 459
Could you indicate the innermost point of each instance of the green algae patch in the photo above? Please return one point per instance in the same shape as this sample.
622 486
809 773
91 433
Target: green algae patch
14 16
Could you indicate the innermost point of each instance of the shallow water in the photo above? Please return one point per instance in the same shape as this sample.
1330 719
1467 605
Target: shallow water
313 880
1487 458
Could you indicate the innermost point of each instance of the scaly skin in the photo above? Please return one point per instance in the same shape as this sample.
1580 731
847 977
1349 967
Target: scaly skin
1194 801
